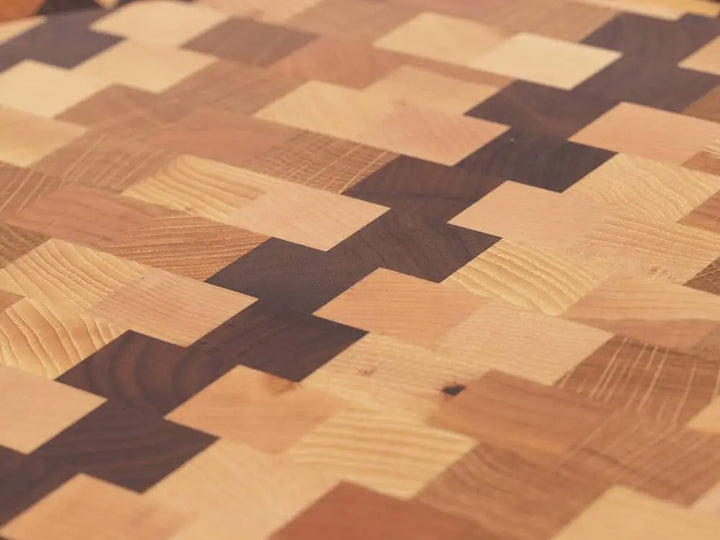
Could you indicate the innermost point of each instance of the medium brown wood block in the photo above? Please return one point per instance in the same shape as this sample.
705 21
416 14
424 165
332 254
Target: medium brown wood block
214 484
86 508
522 343
85 215
401 306
649 133
21 187
381 450
26 138
7 299
443 38
707 106
47 340
259 416
190 246
144 66
16 242
169 307
29 423
325 59
356 513
661 383
321 162
163 23
514 412
627 515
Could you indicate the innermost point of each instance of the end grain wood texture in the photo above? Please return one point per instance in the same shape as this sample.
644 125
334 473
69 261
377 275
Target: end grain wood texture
359 269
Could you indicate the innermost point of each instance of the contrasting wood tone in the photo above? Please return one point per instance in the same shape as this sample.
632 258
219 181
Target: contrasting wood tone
404 269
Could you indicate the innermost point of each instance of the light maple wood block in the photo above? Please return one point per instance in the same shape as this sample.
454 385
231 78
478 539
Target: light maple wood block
706 58
656 189
25 87
380 371
650 310
176 309
431 135
202 187
87 509
12 29
544 60
401 306
522 343
259 415
443 38
160 22
305 215
33 409
529 278
277 11
144 66
213 485
47 340
649 133
387 452
66 274
532 216
329 109
623 514
427 88
27 138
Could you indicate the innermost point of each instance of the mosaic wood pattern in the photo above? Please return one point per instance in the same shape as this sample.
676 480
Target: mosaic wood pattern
360 269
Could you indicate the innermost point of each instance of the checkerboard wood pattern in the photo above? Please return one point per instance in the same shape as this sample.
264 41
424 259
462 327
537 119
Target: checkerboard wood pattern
360 269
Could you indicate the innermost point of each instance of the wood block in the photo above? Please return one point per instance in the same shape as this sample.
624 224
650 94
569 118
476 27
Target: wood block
259 416
304 215
326 59
426 88
521 343
163 23
230 138
381 371
636 376
379 450
329 109
706 107
705 58
86 508
536 59
707 419
532 216
205 188
438 37
401 306
649 133
529 278
16 242
66 274
661 9
34 409
85 215
249 41
225 477
10 29
650 310
362 21
431 135
356 513
626 515
186 245
24 87
514 412
278 11
659 190
169 307
321 162
21 187
26 138
144 66
7 299
47 340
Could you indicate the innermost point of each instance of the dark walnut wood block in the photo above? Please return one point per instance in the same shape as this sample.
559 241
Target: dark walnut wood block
360 269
